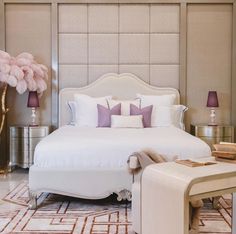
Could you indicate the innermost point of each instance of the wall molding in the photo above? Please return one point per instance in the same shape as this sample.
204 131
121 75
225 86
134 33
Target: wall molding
121 1
233 84
183 53
55 79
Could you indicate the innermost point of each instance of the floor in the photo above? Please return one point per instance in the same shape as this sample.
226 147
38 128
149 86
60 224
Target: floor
212 221
9 181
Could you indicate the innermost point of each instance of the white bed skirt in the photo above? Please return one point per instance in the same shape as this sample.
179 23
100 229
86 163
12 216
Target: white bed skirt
88 184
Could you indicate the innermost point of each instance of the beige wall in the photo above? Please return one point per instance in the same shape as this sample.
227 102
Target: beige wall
96 39
209 55
140 38
28 29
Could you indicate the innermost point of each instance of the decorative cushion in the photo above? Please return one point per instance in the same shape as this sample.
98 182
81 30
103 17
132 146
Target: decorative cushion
125 105
86 109
123 121
146 112
104 114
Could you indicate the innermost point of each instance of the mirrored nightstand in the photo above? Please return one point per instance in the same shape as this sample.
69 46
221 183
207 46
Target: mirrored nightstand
23 140
213 134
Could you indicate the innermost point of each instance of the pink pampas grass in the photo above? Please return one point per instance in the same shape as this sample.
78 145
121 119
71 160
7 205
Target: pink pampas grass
23 72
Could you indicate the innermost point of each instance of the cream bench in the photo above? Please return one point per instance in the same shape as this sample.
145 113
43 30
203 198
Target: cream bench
167 189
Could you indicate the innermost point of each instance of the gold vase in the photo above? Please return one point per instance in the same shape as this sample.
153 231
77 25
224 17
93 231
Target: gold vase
3 112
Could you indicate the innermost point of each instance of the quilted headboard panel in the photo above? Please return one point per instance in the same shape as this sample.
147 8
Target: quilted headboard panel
120 86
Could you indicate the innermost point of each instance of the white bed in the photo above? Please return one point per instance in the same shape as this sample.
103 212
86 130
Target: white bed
92 162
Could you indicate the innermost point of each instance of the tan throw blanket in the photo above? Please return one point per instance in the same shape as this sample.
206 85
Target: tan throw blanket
148 157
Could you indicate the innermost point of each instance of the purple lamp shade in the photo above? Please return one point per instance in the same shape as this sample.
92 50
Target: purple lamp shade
33 100
212 100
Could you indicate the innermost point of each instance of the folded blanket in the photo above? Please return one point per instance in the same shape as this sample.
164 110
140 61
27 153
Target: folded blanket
148 157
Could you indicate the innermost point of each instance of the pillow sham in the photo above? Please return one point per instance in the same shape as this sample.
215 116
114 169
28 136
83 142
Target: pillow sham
124 121
72 109
125 105
169 116
104 114
160 100
161 114
178 116
86 109
146 112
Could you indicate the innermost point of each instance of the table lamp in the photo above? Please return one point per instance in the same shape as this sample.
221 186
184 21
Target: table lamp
33 103
212 103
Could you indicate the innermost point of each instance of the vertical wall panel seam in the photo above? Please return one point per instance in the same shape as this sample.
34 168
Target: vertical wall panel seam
2 25
88 35
118 70
55 78
233 82
149 48
183 53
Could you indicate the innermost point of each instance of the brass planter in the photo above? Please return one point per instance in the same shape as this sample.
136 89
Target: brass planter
4 110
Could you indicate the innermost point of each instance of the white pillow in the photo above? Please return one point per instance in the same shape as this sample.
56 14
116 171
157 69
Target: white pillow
123 121
169 115
86 109
160 100
178 116
125 105
162 117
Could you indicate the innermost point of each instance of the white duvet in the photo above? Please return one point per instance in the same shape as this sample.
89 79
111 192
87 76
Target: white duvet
80 147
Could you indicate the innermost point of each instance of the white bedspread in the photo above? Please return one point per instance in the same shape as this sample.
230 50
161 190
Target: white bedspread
78 147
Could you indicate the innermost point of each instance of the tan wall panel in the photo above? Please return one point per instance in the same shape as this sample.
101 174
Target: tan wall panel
209 41
28 29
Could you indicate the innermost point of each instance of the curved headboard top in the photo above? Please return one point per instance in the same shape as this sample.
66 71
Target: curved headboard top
120 86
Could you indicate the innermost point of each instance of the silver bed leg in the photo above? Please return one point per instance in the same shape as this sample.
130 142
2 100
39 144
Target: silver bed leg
33 200
124 195
234 214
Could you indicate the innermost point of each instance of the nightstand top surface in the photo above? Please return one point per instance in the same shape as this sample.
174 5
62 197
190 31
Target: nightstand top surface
28 126
206 125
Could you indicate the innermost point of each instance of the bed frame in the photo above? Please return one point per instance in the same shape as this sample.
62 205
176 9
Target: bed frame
92 184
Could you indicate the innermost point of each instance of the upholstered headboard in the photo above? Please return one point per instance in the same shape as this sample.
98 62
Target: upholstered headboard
120 86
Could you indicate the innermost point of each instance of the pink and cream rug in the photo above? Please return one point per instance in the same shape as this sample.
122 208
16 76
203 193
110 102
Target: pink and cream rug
61 214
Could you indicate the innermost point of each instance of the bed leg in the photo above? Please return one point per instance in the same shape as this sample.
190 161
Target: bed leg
124 195
32 201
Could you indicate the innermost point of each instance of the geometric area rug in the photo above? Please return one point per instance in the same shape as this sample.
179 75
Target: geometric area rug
64 215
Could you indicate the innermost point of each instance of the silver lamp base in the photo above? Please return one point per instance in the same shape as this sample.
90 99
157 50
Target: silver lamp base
33 117
212 118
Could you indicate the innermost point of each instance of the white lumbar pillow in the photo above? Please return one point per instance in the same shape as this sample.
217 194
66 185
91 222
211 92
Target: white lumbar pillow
86 109
125 105
123 121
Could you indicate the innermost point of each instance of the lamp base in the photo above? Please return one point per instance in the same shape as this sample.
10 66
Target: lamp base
33 117
212 118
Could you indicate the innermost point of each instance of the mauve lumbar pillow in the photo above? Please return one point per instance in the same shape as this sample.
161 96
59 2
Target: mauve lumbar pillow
146 112
104 114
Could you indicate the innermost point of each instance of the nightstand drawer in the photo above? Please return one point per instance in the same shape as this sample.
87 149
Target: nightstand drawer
215 140
209 131
38 132
23 140
19 144
19 132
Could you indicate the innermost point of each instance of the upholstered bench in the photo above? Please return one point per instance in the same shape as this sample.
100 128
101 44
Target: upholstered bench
167 189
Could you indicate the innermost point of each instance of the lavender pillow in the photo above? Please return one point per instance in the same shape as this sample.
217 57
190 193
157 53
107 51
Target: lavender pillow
146 112
104 114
